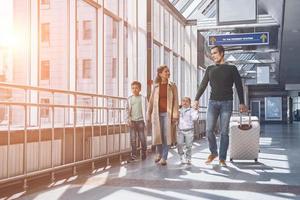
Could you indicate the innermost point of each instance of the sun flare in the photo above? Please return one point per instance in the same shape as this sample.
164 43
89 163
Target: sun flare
7 38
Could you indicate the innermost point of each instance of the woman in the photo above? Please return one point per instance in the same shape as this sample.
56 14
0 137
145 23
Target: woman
163 113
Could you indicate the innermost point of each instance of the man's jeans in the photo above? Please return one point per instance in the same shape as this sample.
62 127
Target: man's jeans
162 149
137 129
224 110
185 138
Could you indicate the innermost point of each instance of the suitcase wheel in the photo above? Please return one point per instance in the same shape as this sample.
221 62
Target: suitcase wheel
231 159
255 159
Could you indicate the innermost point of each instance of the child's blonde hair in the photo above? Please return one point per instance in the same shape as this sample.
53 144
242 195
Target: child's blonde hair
188 98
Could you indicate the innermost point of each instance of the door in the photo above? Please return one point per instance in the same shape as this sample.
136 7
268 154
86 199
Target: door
255 108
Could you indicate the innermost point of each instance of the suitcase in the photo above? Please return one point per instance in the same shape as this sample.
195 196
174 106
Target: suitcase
244 132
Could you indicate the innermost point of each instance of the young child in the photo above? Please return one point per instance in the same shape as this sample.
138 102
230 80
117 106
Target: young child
185 132
136 112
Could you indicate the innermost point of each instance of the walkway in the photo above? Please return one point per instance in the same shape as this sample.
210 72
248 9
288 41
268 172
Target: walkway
276 176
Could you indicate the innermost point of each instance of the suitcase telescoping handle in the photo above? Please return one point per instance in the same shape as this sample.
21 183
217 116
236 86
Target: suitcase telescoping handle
245 126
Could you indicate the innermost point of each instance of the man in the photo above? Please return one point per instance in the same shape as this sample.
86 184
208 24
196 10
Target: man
221 77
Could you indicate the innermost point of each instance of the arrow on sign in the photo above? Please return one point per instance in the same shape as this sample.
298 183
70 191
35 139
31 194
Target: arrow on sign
263 37
212 40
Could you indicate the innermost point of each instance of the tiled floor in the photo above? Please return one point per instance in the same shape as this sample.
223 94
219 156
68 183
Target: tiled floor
275 176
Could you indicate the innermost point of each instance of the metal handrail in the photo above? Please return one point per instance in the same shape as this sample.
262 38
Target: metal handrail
51 90
57 105
100 111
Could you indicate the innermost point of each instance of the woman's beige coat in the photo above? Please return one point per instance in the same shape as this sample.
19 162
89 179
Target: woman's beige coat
172 111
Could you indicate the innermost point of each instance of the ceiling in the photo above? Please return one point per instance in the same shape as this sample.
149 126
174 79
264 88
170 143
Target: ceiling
195 9
247 58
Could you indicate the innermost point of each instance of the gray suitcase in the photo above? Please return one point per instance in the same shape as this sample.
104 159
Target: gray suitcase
244 132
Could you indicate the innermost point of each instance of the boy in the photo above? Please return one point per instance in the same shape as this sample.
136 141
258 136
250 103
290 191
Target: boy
136 112
185 134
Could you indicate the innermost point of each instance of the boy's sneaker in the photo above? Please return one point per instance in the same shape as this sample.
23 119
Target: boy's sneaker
163 162
157 158
131 159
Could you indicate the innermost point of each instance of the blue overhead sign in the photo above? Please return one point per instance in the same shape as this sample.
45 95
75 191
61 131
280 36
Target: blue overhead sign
239 39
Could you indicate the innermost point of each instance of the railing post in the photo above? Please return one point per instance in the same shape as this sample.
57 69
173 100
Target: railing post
120 130
52 137
92 138
25 186
8 141
40 135
64 138
83 136
107 131
74 132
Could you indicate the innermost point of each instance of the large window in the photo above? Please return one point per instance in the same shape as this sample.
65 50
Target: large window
112 5
182 78
156 59
142 60
175 36
142 14
142 44
156 19
125 64
111 46
167 28
86 72
175 70
167 58
78 49
54 57
174 45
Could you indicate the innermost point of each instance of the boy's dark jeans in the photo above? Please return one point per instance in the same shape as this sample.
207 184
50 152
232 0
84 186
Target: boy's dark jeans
137 129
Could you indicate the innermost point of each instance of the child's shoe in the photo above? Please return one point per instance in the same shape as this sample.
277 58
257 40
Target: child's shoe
189 161
182 159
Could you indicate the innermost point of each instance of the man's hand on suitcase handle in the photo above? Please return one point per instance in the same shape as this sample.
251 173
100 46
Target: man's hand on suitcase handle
243 108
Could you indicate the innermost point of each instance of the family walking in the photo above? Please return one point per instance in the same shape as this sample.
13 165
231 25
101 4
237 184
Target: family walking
165 115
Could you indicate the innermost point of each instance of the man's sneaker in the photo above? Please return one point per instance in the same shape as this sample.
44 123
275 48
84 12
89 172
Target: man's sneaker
157 159
222 163
163 162
210 158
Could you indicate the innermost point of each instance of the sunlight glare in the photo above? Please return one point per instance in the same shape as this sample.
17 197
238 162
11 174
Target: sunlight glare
7 38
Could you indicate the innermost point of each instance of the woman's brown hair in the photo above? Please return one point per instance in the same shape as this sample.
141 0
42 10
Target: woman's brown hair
160 70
